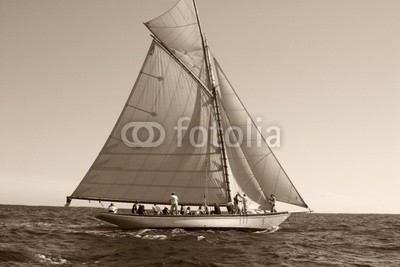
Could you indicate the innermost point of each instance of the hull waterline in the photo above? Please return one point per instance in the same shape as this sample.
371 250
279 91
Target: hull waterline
267 221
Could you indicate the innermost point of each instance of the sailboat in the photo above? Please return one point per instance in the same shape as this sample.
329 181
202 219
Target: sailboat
184 129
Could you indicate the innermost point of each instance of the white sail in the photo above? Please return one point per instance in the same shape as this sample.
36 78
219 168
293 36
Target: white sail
253 161
241 176
128 171
178 29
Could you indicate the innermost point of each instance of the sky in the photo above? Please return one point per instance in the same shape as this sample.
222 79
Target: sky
326 72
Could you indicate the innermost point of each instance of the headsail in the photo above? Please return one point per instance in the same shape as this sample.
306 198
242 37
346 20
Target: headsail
126 171
251 162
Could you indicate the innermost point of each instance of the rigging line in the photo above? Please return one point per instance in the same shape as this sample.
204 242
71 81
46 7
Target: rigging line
152 113
290 193
264 156
277 180
263 181
206 185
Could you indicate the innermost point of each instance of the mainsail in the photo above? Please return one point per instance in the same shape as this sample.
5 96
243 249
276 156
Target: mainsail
125 171
180 90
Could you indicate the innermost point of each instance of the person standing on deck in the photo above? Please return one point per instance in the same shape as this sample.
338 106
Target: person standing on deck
134 208
174 204
236 202
245 203
272 201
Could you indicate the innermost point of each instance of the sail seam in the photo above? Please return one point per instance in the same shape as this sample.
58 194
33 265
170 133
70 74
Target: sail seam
143 170
160 154
173 27
152 185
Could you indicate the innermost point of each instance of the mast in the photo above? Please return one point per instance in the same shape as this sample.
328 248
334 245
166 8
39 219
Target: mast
216 105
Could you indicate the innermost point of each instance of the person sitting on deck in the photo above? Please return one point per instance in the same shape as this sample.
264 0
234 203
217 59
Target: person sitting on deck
141 210
200 211
112 209
174 204
165 211
156 210
182 212
187 211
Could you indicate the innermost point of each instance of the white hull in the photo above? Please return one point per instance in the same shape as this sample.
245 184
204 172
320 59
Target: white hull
267 221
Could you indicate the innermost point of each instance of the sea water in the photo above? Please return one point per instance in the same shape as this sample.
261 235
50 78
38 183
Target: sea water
47 236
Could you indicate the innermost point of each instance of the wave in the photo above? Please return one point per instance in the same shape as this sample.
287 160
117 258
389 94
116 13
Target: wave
51 260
